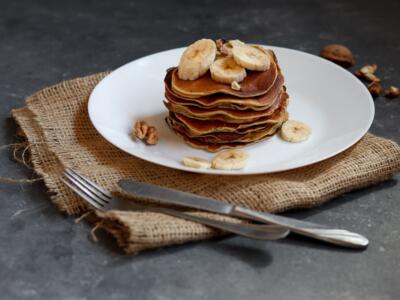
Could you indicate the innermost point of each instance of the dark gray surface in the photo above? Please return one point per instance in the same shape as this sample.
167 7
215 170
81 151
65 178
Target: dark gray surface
44 255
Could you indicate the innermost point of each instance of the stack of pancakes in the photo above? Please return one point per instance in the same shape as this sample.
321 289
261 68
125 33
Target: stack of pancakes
212 116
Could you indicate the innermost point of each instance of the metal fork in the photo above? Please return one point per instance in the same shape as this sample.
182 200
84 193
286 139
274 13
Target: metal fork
102 199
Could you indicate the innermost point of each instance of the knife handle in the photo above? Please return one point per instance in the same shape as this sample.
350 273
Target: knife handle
259 232
339 237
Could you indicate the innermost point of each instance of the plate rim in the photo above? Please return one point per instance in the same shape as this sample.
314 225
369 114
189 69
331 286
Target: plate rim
236 172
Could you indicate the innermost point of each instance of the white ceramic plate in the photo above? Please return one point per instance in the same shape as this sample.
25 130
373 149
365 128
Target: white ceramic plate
331 100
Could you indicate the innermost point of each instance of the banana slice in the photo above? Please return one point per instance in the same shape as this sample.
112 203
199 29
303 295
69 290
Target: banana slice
230 160
227 47
250 57
295 131
226 70
197 59
196 162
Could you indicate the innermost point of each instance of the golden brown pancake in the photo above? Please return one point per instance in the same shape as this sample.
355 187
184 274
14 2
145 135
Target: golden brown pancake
223 114
228 101
200 127
215 147
248 138
212 116
255 84
225 137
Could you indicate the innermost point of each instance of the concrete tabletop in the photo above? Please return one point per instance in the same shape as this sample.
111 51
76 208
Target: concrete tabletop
45 255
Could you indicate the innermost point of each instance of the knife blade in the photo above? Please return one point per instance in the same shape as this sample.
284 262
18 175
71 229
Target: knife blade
170 196
175 197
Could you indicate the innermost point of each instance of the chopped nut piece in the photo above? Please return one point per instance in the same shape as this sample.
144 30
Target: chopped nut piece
367 72
375 88
369 69
392 92
152 136
359 74
235 86
219 43
371 77
339 54
140 129
145 132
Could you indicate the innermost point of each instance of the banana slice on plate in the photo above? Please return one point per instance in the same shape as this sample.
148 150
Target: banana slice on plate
197 59
295 131
226 70
230 160
196 162
250 57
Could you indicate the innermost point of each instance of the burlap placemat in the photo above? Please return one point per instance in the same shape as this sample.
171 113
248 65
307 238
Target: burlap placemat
56 124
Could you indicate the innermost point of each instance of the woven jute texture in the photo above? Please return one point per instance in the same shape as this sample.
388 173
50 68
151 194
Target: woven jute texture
56 124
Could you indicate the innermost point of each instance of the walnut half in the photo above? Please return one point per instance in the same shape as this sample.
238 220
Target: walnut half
146 133
339 54
140 129
152 136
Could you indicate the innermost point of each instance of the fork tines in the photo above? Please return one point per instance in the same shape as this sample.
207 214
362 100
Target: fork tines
88 190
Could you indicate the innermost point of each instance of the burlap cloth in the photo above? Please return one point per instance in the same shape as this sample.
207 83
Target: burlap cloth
56 124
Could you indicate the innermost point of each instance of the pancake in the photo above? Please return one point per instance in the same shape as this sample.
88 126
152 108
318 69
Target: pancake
200 127
225 137
222 100
212 116
173 120
225 115
215 147
247 138
255 84
210 128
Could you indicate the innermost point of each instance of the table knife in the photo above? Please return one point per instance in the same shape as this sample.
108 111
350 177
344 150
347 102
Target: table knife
335 236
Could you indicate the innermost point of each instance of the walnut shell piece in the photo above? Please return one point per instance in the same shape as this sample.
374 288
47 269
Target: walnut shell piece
392 92
338 54
375 88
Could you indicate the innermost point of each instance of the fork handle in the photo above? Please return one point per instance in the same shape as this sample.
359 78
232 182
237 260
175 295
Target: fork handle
339 237
260 232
